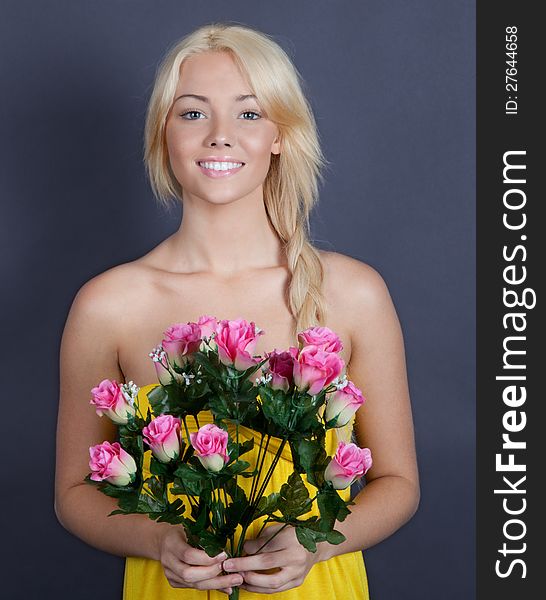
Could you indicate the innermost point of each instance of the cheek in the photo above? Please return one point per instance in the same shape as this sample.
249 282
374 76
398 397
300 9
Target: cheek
178 144
261 141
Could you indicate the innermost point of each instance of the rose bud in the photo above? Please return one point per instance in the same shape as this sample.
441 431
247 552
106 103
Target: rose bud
236 341
208 325
343 404
180 342
315 369
281 368
111 463
210 444
163 437
161 364
109 399
322 337
349 463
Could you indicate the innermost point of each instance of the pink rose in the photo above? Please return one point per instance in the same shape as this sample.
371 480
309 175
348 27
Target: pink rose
316 369
210 444
161 364
163 437
343 404
109 462
181 341
322 337
236 341
207 324
163 374
349 463
109 399
281 368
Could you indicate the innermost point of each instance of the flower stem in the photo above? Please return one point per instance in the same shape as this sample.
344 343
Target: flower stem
273 536
186 428
260 465
269 473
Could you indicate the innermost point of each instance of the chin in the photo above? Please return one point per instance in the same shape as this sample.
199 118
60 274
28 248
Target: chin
220 197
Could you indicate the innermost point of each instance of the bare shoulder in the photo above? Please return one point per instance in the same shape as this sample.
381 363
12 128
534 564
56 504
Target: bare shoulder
354 283
107 296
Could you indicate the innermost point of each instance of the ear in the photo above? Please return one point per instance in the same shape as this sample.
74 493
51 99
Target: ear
276 145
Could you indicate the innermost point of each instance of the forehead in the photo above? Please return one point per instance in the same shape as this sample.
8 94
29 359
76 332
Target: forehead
211 73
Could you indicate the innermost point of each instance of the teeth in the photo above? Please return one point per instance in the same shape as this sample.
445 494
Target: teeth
220 166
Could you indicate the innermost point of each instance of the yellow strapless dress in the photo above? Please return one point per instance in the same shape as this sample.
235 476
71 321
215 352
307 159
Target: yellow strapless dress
339 578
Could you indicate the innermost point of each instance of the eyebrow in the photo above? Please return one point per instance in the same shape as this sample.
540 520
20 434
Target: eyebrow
240 98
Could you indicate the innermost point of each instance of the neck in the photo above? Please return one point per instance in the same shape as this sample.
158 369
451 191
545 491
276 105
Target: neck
225 239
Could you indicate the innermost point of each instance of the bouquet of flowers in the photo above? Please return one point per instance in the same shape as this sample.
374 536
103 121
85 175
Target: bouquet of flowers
204 449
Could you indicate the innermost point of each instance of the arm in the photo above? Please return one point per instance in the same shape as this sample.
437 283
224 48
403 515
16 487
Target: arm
383 423
89 355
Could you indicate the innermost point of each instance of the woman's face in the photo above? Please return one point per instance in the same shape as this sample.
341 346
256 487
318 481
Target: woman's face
218 138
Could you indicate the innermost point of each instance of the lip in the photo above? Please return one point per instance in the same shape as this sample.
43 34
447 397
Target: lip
219 159
215 174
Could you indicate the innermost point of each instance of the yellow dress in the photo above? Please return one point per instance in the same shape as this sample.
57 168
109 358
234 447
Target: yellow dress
342 577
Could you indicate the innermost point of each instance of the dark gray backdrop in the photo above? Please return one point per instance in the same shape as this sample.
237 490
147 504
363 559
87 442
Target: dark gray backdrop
392 85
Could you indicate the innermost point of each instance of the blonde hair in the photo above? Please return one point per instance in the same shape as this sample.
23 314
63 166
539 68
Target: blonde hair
291 185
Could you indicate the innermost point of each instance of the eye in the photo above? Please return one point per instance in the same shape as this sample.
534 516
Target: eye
192 115
253 115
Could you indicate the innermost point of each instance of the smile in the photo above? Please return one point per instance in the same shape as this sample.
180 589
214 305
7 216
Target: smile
219 168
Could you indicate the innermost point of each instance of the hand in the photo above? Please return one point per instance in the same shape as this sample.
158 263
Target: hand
284 553
188 567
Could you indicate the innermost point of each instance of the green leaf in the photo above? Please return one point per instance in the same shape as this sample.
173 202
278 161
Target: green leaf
267 505
169 517
332 507
235 491
306 538
222 408
276 407
312 457
335 537
217 515
246 446
238 467
158 399
294 497
157 467
187 487
147 504
187 473
234 512
209 363
212 544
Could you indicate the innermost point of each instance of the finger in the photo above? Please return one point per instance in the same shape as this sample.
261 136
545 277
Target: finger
227 591
196 556
220 583
293 583
215 583
191 574
256 562
272 581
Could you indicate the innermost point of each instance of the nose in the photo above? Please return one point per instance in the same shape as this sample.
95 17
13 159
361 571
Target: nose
221 134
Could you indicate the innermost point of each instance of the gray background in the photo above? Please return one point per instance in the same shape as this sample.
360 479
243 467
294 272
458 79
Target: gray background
392 86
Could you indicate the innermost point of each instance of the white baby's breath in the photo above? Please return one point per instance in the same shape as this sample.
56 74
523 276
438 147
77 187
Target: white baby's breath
158 355
130 391
264 378
188 377
341 382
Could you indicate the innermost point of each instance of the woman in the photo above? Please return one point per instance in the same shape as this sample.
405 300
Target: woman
230 134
